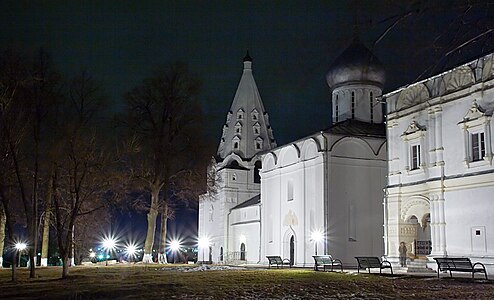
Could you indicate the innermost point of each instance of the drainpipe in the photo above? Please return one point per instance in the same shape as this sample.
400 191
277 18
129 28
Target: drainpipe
227 246
325 192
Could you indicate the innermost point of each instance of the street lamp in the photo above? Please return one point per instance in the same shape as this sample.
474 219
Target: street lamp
203 243
20 246
175 247
317 236
130 251
109 244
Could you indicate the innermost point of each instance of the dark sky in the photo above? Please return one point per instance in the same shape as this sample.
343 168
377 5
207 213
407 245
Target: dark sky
292 44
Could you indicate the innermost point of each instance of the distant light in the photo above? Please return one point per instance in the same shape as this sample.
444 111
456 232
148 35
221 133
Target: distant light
20 246
203 242
131 250
39 254
92 254
317 236
108 256
100 256
175 245
109 243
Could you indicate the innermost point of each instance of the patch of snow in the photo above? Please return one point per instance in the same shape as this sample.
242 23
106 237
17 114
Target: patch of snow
202 268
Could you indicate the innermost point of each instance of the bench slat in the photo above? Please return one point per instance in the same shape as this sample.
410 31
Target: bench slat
459 264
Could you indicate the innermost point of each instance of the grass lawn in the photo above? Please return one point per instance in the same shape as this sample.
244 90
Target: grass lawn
165 282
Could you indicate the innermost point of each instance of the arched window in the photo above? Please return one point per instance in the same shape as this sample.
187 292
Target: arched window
371 101
353 105
337 109
257 175
289 190
211 213
242 251
235 145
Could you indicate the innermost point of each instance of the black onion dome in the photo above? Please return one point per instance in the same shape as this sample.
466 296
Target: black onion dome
356 64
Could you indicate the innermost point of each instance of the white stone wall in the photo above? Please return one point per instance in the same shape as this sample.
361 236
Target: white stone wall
325 185
454 190
356 182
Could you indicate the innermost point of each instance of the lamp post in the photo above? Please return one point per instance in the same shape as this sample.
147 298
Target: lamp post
175 247
316 236
109 244
130 250
92 255
20 246
203 243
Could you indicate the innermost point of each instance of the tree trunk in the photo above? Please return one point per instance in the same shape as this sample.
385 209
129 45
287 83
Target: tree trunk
65 266
162 249
14 266
3 220
46 224
152 215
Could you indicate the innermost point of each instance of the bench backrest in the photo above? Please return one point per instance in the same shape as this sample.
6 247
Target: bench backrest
274 259
369 262
454 262
322 259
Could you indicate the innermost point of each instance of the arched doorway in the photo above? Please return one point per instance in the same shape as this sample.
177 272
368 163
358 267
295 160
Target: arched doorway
422 244
242 251
290 246
292 250
415 228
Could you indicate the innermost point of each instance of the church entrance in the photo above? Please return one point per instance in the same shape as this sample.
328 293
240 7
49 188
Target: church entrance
242 251
289 246
415 229
292 250
416 233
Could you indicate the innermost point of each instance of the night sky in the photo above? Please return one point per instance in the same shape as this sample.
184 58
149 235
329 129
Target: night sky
292 45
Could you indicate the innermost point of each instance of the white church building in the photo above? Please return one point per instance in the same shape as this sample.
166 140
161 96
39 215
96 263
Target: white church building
440 190
422 174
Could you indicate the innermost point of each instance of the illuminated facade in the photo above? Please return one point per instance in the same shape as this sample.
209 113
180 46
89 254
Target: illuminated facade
441 177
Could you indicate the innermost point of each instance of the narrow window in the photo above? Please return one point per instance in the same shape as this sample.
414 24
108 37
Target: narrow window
256 131
257 169
353 105
337 108
289 191
258 145
235 145
211 213
415 157
478 146
242 251
371 98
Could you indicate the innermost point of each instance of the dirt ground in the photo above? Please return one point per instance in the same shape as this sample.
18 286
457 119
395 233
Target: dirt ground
182 282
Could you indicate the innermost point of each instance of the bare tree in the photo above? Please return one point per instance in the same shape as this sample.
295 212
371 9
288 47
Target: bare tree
164 118
27 92
82 180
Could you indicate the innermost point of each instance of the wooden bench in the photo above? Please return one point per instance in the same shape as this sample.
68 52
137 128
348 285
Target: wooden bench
365 262
459 264
276 260
326 261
